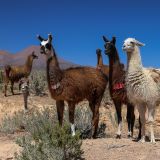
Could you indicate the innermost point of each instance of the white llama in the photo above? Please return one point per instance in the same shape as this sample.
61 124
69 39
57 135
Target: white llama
143 85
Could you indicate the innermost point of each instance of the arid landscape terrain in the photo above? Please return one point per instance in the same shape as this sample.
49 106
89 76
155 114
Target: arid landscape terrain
107 148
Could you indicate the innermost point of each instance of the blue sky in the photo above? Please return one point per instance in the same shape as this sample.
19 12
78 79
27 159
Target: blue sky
78 25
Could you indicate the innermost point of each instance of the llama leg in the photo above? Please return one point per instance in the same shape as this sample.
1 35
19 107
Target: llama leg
95 118
71 118
142 111
60 109
140 126
130 119
95 121
119 117
5 88
92 107
19 86
12 84
151 114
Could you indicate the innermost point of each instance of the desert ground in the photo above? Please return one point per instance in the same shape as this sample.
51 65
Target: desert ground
107 148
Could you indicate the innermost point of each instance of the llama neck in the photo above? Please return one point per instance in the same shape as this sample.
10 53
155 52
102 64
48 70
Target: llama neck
28 64
114 65
99 60
54 73
134 62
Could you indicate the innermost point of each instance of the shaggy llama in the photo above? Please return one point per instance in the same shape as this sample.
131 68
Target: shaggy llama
73 85
143 85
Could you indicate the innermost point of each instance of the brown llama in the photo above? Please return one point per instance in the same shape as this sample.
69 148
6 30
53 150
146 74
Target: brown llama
73 85
14 74
100 65
117 86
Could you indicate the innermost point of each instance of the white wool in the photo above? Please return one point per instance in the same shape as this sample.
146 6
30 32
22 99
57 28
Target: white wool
73 129
143 85
129 40
43 43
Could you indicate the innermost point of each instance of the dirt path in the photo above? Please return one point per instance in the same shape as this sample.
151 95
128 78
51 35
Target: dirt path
99 149
112 149
7 148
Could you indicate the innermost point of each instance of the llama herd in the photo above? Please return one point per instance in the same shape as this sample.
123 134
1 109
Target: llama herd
134 86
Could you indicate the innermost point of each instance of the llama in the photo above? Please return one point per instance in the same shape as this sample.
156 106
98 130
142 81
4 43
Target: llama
100 65
25 90
15 73
73 85
117 86
143 85
106 100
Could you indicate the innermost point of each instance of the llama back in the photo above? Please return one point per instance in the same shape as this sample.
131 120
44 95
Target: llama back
83 82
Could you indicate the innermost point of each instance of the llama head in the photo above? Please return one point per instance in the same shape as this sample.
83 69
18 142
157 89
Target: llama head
45 45
109 45
98 52
34 56
130 44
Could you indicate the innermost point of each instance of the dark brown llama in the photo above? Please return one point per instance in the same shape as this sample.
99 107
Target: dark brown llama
73 85
100 65
117 86
14 74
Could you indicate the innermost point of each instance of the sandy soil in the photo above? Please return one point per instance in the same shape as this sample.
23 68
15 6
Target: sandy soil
97 149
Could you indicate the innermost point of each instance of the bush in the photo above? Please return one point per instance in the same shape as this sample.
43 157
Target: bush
10 125
44 138
38 82
50 143
83 118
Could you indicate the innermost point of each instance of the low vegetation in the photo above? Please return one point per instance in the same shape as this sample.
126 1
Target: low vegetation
38 83
44 139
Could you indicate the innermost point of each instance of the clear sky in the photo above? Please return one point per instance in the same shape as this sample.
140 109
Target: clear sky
78 25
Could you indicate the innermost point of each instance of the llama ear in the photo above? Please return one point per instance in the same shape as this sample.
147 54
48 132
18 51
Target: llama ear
105 39
139 43
98 51
49 38
40 38
113 40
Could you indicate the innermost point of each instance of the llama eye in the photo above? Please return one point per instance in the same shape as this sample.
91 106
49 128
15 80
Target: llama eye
132 43
48 46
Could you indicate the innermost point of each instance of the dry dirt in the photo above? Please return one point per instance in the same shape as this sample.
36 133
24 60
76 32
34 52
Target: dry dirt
94 149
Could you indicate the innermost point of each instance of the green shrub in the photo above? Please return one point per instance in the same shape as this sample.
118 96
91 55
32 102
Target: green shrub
38 82
10 125
47 140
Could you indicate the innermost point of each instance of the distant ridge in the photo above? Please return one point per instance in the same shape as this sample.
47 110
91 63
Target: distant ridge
20 58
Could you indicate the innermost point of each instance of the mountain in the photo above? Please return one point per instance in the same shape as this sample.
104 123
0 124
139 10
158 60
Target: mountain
20 58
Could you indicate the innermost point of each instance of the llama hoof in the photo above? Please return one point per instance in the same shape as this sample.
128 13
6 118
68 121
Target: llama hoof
153 141
73 134
118 136
142 140
26 111
129 136
94 137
